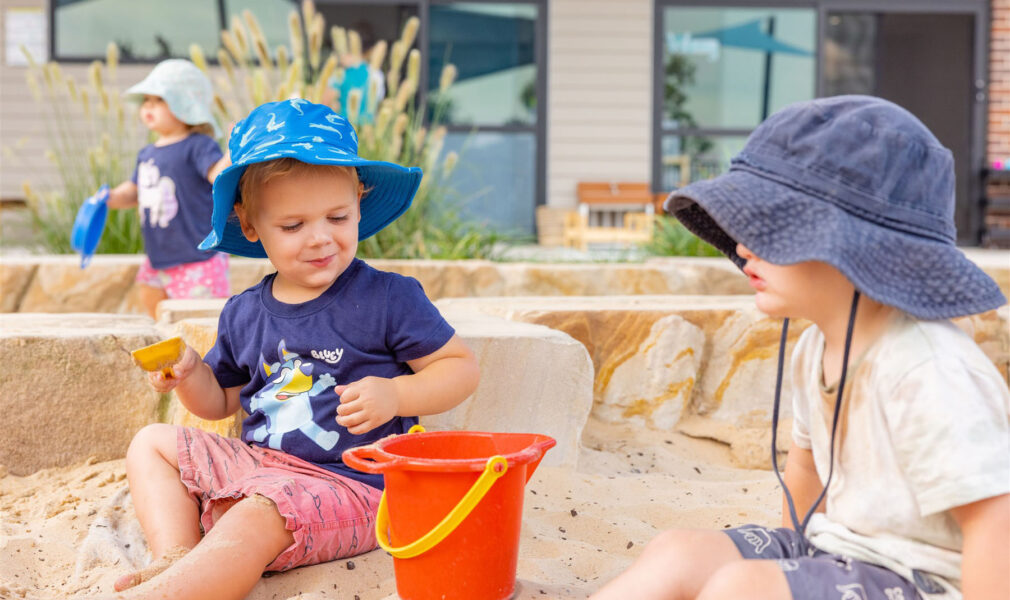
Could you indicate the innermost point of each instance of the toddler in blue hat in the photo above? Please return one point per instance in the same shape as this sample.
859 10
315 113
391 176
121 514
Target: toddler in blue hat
840 211
171 186
325 354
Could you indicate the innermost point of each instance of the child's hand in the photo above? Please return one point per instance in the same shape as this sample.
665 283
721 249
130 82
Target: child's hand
367 403
180 370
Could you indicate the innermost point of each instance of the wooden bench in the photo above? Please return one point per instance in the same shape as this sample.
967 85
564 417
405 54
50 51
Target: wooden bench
610 213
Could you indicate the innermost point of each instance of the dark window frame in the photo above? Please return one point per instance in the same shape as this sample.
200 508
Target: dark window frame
980 9
658 37
222 17
539 129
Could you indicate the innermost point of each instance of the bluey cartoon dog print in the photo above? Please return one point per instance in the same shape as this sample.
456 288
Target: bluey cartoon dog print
286 402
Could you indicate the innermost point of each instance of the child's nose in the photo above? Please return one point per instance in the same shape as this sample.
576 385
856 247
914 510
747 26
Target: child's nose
744 252
319 236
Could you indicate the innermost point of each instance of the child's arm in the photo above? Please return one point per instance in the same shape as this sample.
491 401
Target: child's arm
197 388
803 483
223 163
440 381
985 549
123 195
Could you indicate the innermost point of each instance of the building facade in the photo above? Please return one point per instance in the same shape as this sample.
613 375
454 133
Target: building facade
551 93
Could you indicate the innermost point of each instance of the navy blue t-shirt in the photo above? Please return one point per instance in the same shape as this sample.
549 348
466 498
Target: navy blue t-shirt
175 200
288 358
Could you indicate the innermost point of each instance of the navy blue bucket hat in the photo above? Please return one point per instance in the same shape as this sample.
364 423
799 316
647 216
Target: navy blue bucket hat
853 181
313 134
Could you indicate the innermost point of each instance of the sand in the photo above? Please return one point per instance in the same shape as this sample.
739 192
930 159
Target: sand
73 531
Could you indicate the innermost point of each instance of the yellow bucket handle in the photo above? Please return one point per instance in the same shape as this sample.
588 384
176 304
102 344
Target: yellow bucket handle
496 467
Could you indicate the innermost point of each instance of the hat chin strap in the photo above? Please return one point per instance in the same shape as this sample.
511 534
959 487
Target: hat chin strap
801 527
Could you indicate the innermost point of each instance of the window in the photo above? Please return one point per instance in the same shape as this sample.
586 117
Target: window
492 110
145 30
721 72
272 16
492 47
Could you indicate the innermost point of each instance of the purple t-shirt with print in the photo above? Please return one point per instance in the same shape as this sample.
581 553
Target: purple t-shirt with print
174 199
289 357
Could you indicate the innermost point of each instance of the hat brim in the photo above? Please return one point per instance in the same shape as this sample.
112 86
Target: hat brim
149 87
927 278
146 87
390 190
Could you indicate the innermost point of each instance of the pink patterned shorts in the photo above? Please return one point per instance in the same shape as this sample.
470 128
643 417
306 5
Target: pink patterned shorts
204 279
330 516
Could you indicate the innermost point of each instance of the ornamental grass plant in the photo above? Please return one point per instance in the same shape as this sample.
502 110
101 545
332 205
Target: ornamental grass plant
94 135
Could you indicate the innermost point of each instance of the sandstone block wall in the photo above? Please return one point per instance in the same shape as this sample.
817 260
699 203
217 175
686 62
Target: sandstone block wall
701 365
55 284
69 389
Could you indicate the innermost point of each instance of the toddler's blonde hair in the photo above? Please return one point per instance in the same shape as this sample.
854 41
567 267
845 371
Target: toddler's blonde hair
205 128
257 175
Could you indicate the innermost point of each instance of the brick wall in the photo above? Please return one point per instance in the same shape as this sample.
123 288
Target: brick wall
999 87
997 219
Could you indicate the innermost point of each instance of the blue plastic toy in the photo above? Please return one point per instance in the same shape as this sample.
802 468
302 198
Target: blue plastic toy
89 224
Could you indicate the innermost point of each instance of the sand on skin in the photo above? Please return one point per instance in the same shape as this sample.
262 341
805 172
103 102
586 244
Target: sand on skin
580 528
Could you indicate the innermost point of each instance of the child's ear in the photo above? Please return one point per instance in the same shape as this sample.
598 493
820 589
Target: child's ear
243 220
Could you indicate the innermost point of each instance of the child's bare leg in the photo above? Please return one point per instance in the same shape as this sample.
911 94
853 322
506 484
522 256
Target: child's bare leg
150 571
228 562
751 579
150 296
168 515
675 565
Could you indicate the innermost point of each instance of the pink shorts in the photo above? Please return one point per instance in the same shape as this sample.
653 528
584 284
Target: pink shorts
330 516
204 279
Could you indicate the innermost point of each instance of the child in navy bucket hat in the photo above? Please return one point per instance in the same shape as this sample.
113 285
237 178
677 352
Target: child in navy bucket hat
897 483
325 354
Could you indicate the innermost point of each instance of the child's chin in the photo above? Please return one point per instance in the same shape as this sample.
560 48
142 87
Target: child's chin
770 306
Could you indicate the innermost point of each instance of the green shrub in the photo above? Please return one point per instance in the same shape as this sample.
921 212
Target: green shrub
670 238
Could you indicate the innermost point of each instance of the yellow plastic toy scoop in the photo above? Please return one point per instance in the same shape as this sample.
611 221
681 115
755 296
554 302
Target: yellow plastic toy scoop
160 356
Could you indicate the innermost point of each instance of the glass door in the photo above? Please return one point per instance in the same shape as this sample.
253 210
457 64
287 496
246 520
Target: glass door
720 71
924 63
494 110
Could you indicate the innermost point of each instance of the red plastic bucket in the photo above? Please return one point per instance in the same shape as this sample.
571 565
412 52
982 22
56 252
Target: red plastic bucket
452 509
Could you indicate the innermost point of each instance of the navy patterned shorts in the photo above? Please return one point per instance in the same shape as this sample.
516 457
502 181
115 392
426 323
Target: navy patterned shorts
815 574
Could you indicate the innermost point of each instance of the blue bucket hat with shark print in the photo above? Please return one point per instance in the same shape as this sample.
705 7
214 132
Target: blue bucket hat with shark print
313 134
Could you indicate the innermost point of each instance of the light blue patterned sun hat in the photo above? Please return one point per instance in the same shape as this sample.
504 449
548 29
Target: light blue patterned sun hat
184 88
313 134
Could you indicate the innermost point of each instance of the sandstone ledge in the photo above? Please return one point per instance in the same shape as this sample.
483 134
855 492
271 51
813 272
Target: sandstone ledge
57 283
70 389
703 365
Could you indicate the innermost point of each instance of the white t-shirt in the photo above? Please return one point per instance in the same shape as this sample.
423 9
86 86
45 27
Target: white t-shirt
924 428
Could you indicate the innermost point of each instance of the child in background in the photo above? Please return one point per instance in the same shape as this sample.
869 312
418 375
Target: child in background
840 210
324 355
358 75
171 184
